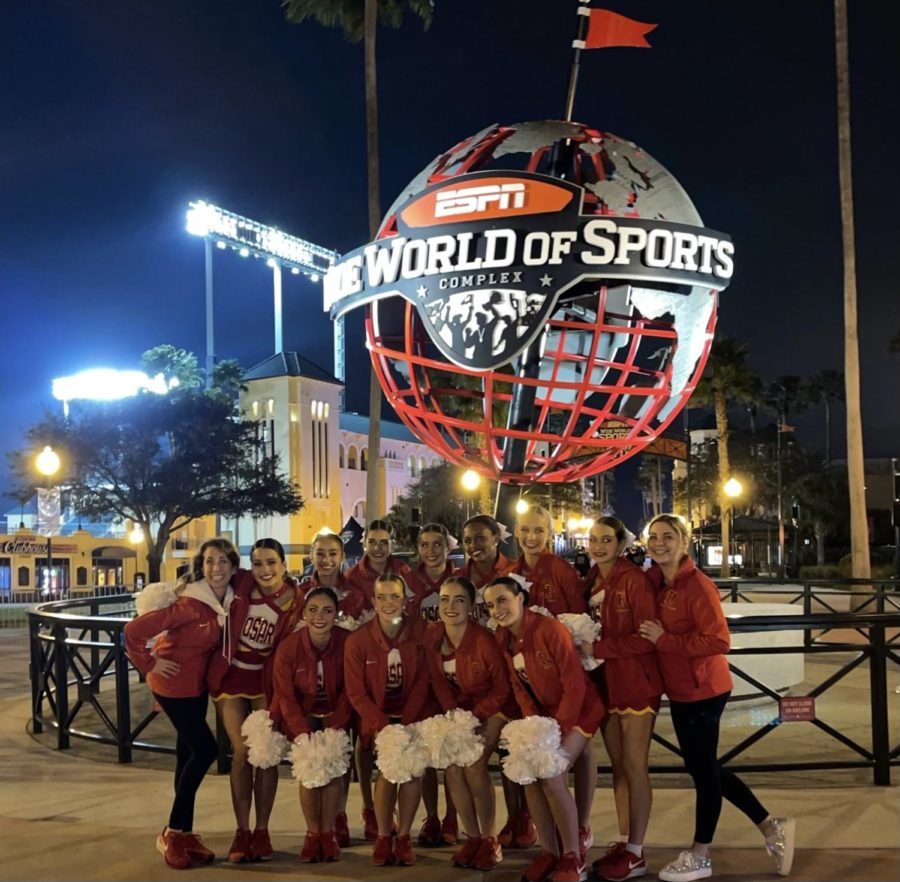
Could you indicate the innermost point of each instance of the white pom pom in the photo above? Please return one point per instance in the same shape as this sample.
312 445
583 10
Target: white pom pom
320 757
451 739
401 755
534 750
584 631
541 611
156 595
265 745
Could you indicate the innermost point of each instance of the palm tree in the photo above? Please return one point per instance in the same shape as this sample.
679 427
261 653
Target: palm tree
859 534
825 388
727 379
358 20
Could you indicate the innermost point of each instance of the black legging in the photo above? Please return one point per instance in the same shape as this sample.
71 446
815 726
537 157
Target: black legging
697 729
195 750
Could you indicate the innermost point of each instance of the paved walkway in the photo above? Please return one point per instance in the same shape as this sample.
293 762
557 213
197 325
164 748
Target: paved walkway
77 814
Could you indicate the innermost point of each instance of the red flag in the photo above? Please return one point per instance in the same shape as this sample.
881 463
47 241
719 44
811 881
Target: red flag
607 29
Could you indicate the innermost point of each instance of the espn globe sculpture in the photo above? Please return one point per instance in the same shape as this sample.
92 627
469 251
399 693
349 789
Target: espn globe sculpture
541 301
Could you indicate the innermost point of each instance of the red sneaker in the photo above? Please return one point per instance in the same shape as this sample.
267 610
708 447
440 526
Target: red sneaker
311 852
613 849
430 833
404 856
525 835
383 852
585 841
505 836
331 849
342 830
489 855
620 866
261 845
540 868
569 869
197 850
450 829
172 846
465 856
240 849
370 824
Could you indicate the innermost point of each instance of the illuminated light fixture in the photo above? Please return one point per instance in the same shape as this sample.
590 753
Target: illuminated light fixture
271 263
205 219
314 277
470 479
295 271
107 384
136 536
521 506
47 462
221 245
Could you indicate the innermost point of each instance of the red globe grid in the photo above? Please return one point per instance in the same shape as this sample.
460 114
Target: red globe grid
617 363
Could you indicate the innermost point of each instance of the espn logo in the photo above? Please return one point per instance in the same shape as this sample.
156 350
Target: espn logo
485 198
495 198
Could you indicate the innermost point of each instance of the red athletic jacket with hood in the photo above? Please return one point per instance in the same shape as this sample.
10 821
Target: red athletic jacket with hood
187 628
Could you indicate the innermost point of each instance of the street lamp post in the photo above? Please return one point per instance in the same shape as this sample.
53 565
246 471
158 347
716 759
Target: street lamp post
733 488
47 463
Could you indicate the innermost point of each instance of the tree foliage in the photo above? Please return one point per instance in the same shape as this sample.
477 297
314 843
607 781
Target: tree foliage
349 15
163 461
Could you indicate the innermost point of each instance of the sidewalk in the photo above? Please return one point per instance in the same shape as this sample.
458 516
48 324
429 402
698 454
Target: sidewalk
77 814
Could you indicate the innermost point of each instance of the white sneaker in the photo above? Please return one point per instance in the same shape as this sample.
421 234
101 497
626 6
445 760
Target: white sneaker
687 867
780 844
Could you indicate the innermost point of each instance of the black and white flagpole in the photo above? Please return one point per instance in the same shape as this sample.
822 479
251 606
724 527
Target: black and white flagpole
584 15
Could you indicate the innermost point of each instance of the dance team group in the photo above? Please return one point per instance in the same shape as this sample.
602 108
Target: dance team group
382 644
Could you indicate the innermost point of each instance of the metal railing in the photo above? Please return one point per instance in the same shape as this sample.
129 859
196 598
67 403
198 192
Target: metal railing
76 646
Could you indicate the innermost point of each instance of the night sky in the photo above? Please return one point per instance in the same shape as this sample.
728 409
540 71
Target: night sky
116 115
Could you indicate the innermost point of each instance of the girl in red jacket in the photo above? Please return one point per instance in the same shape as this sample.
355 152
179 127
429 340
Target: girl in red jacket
327 554
387 682
308 678
468 671
485 562
378 559
264 601
184 634
620 598
433 545
555 584
549 681
691 637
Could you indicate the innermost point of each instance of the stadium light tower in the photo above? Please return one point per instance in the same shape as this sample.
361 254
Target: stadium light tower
249 237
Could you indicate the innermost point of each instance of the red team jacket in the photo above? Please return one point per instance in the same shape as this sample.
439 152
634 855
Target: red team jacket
692 650
558 685
366 675
296 683
482 679
362 576
555 584
631 672
187 632
352 600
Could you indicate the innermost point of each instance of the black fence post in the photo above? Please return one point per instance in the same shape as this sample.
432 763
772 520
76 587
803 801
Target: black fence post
878 687
36 669
61 674
94 607
123 697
